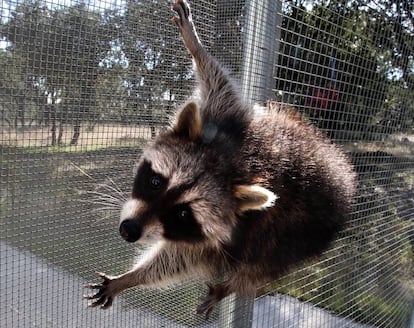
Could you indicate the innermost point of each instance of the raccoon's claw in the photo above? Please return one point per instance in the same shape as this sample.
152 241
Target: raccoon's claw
206 307
209 303
185 24
182 9
104 297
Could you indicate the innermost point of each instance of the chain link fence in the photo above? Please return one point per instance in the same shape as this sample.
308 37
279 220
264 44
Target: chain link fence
85 84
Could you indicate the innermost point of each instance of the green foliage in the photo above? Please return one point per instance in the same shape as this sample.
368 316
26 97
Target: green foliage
82 64
17 94
71 64
157 74
59 51
355 52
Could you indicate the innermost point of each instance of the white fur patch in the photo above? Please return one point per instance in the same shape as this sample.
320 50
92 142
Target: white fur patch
150 254
129 209
271 197
254 197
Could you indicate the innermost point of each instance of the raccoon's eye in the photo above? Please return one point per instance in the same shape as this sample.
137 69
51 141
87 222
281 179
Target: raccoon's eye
155 182
183 214
180 224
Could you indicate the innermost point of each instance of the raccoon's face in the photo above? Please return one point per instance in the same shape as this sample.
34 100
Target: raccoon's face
175 196
180 196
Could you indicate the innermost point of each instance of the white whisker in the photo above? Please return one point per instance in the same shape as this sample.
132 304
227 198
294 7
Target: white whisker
101 202
100 219
106 200
116 189
105 196
101 209
111 189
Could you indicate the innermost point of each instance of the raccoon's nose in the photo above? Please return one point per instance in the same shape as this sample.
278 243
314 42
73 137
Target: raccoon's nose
130 230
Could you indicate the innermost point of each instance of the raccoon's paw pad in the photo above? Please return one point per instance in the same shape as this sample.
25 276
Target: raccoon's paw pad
104 297
182 9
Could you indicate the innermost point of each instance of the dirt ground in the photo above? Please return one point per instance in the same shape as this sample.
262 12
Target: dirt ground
103 134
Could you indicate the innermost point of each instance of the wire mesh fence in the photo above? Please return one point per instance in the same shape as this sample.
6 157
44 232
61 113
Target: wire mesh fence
85 84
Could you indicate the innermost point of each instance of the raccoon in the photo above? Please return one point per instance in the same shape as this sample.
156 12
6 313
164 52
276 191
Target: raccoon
230 190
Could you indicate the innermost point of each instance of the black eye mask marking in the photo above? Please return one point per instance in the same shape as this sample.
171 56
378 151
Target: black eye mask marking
178 219
180 224
148 184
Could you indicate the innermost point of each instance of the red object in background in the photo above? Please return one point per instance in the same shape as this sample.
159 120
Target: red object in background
322 98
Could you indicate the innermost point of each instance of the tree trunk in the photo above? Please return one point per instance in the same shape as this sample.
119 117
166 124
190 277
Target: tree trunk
53 130
76 134
59 140
20 108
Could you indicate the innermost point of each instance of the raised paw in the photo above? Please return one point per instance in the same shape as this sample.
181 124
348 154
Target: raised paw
105 294
182 8
185 23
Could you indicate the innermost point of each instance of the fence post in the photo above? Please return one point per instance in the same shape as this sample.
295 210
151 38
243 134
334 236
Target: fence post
236 313
261 45
260 48
411 321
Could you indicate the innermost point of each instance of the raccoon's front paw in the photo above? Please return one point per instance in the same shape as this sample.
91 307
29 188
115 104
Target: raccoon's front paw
185 23
182 8
106 292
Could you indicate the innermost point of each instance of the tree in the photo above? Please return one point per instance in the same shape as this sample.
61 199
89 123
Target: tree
158 64
392 23
13 83
61 50
334 59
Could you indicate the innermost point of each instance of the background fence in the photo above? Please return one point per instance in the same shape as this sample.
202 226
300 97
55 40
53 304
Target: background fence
85 84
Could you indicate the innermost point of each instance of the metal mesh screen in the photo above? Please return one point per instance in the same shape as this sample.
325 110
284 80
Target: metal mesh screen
85 84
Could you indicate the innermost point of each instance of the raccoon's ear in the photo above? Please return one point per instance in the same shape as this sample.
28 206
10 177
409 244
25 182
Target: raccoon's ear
188 122
253 197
